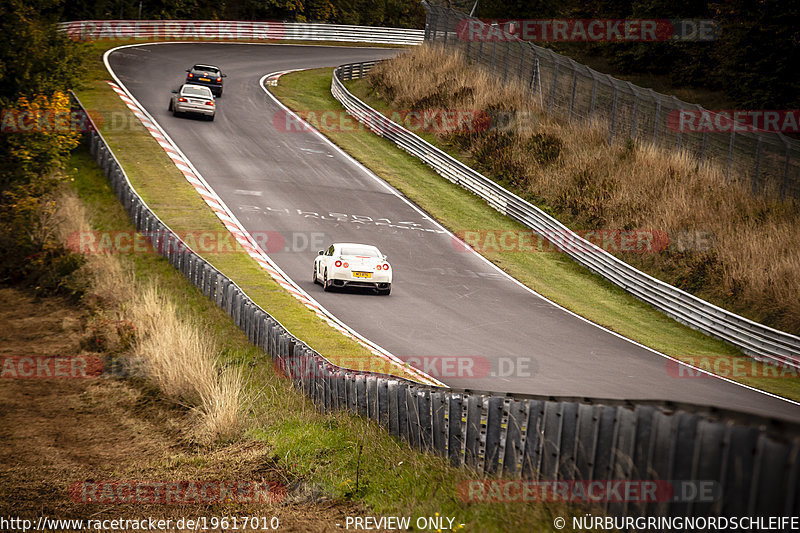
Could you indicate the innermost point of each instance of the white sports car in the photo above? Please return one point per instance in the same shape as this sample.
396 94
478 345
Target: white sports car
346 264
195 99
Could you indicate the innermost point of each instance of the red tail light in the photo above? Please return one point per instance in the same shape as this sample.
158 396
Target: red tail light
190 75
219 79
209 103
338 263
385 266
181 99
346 265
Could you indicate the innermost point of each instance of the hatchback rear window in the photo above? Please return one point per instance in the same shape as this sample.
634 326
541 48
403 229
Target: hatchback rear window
197 91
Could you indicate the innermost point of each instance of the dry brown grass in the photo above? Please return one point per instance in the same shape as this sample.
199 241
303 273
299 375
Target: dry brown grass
752 265
175 354
183 361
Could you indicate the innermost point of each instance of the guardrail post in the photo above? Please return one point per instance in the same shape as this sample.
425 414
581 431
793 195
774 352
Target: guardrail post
371 391
585 441
551 440
456 428
328 384
350 392
642 440
414 422
657 117
393 409
496 419
739 467
685 449
771 483
680 131
553 91
757 162
402 411
663 430
613 115
534 439
446 26
785 181
623 453
361 395
439 421
568 434
341 390
606 435
472 441
506 61
383 402
574 88
634 115
515 441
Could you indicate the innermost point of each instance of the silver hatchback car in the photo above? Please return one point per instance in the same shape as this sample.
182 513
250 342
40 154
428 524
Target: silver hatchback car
194 99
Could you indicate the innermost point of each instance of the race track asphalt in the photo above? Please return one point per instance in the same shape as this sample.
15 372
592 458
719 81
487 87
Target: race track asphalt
445 302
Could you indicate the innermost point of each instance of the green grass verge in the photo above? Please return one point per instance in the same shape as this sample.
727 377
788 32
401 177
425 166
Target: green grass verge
321 455
553 275
174 200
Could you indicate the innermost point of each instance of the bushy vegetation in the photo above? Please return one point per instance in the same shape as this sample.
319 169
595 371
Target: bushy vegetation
37 66
736 250
395 13
753 61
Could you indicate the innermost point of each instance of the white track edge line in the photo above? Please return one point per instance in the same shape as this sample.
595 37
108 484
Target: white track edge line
372 346
495 267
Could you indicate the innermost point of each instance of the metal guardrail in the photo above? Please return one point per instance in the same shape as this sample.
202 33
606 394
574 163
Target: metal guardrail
93 30
767 161
754 339
752 466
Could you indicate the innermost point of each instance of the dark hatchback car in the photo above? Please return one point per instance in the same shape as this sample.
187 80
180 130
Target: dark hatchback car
207 75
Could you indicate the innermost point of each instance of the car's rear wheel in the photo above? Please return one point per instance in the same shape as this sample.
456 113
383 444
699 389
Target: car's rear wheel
326 285
170 106
211 117
385 292
316 281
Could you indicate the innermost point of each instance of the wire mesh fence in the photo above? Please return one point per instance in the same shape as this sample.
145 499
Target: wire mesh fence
767 162
750 464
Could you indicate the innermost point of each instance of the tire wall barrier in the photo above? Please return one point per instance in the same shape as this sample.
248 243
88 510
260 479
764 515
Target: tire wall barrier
752 465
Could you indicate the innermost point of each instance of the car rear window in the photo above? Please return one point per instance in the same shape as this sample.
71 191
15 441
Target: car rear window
359 250
205 69
197 91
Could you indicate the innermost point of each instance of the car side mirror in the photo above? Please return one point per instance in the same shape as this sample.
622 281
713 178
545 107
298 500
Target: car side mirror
321 252
188 70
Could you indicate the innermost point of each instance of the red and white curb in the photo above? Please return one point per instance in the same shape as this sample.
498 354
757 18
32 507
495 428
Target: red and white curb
272 79
248 243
